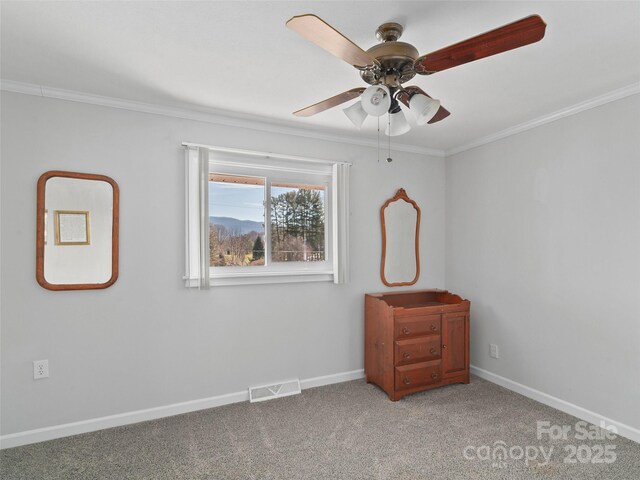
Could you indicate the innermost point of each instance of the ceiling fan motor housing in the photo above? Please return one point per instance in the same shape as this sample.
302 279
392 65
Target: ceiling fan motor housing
396 58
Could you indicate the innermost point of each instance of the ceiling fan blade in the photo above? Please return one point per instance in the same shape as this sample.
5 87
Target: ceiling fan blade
404 97
517 34
329 102
318 31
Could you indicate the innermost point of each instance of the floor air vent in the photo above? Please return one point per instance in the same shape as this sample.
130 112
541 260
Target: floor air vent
277 390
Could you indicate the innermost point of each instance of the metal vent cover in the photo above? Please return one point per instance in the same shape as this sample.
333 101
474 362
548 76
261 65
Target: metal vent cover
275 390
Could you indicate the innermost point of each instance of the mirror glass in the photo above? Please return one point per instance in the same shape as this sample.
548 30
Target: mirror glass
77 234
400 219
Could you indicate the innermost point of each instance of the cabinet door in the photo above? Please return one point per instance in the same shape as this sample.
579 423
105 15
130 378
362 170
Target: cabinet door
455 344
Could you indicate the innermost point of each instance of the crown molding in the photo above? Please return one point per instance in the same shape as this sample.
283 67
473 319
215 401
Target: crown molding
218 117
612 96
255 122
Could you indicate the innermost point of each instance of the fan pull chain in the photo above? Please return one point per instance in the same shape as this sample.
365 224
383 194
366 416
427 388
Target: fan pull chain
389 159
378 139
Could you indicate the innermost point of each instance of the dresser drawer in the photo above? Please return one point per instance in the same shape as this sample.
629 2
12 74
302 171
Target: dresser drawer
407 327
418 374
418 349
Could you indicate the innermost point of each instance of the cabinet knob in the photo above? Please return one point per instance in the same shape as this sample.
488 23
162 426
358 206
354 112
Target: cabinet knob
406 381
405 330
434 375
433 327
406 355
444 346
433 351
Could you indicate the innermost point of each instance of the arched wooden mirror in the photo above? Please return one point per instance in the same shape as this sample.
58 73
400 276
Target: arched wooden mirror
400 220
76 231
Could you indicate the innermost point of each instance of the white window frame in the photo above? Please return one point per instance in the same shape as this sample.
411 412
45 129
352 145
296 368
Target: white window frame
277 169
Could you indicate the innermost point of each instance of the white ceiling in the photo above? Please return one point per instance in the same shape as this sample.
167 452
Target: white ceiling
239 57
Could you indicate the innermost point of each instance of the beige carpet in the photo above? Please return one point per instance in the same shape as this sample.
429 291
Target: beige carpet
344 431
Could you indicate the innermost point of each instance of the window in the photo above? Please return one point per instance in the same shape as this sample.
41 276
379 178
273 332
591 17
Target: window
264 218
236 220
297 222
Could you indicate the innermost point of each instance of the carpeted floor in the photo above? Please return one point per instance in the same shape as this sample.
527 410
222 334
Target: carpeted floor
344 431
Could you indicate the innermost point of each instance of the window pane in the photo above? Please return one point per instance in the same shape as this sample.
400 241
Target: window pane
297 222
236 220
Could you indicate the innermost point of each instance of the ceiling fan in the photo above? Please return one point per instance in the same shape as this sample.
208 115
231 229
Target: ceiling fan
389 64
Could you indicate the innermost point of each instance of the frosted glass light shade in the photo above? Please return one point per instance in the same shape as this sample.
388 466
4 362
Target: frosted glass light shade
376 100
423 107
356 114
397 124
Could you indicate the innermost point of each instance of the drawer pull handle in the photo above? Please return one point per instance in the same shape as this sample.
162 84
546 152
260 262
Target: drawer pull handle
406 355
406 381
405 330
433 351
434 375
433 327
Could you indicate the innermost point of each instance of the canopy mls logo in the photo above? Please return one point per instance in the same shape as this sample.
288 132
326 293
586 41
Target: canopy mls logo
499 453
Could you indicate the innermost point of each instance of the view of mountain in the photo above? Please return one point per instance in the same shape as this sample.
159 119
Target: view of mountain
237 226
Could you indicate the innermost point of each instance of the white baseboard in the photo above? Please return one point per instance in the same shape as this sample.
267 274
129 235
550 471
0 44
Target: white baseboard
582 413
94 424
329 379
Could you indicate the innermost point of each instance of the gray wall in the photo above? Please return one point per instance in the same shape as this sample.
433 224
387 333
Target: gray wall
543 230
147 341
543 236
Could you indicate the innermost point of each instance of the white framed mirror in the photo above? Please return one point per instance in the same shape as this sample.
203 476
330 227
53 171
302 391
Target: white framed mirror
400 221
77 231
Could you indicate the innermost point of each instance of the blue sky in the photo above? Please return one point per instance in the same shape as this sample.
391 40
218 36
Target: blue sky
244 202
241 201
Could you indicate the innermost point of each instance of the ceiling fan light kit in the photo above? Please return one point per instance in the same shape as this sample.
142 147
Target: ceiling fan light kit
376 100
356 114
397 125
423 107
389 64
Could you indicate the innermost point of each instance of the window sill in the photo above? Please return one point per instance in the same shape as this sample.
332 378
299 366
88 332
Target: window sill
261 278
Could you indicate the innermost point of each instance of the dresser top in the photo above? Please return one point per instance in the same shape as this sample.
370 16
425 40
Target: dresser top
419 298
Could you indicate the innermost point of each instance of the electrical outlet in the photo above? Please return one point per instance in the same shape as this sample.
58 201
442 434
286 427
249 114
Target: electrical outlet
40 369
493 351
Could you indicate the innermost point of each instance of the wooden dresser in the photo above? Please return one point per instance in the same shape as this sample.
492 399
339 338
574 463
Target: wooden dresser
416 340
